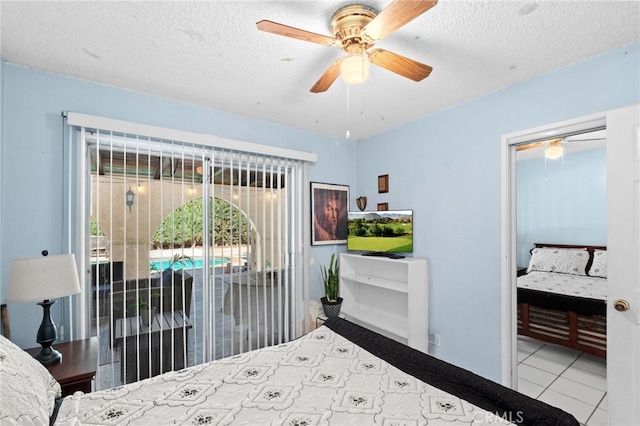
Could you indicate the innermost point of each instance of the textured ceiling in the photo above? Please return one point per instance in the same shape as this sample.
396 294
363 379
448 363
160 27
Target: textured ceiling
210 53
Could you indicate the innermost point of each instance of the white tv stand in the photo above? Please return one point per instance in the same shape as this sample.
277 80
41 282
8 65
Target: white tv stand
389 296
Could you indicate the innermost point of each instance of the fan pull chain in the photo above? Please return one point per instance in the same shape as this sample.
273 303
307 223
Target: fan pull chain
362 110
545 165
545 169
364 58
348 135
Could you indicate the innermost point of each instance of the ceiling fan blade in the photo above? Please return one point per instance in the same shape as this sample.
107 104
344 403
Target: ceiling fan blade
540 144
326 80
530 146
399 64
394 16
287 31
567 140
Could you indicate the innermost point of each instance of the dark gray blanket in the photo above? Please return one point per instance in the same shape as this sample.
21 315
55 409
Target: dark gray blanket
491 396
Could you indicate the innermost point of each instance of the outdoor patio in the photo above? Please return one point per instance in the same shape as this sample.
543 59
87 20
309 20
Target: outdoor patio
232 334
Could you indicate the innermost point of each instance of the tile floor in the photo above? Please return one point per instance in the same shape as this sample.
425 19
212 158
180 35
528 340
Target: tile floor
571 380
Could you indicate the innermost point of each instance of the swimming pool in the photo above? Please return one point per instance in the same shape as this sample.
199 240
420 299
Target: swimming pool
196 262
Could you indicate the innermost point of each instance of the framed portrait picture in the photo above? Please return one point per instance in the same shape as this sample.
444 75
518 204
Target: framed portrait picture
329 208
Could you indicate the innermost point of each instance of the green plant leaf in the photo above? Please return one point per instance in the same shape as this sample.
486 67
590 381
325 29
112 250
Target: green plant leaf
331 279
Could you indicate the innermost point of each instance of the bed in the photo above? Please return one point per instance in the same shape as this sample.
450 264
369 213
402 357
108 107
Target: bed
562 298
337 374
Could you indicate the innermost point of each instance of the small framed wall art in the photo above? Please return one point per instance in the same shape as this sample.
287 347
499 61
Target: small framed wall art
383 183
383 207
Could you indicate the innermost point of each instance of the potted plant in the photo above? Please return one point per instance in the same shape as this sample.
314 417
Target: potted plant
143 309
169 273
331 302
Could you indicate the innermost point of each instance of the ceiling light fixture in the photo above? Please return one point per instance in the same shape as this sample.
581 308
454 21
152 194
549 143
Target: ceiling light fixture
553 151
355 68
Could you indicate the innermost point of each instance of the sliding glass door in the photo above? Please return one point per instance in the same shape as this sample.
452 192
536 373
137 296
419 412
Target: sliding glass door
191 251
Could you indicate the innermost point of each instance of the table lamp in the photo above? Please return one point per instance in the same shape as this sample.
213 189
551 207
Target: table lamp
44 278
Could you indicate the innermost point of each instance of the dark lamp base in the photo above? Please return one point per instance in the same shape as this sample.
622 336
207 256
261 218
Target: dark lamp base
49 356
47 334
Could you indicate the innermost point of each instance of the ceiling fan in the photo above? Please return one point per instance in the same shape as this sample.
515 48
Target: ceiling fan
356 28
553 147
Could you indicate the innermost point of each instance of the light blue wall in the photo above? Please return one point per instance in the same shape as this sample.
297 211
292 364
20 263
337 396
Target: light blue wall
31 171
446 167
563 201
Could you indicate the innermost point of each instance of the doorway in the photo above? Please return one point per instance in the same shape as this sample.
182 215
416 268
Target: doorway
561 200
623 241
509 244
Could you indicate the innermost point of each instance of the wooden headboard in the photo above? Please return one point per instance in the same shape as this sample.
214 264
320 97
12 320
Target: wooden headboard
590 249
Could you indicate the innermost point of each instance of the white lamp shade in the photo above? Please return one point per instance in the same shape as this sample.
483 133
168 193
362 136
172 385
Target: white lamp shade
355 69
554 151
43 278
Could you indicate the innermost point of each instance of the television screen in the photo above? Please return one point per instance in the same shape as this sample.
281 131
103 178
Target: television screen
381 231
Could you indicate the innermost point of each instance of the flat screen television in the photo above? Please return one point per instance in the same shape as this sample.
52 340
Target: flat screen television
381 232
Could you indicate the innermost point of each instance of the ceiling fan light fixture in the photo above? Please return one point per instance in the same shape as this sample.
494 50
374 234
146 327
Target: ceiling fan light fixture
553 152
355 68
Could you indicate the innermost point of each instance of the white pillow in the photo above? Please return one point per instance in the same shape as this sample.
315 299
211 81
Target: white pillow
28 390
564 260
599 265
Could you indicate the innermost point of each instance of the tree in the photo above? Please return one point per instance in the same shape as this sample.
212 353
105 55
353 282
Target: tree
184 227
357 228
95 229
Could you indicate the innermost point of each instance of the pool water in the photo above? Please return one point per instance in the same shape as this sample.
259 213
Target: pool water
198 262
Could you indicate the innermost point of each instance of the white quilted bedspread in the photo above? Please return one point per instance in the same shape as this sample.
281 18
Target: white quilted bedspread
319 379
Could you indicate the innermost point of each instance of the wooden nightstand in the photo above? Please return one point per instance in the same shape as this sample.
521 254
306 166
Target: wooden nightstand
78 366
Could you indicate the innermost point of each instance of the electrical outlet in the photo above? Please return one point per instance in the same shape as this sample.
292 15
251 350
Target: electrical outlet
434 339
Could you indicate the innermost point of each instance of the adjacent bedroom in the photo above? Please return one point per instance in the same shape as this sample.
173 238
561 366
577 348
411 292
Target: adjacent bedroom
562 270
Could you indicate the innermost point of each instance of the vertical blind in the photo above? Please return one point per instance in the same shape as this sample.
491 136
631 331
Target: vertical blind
192 252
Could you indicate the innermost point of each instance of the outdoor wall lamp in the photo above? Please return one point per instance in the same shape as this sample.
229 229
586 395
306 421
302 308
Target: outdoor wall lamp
130 196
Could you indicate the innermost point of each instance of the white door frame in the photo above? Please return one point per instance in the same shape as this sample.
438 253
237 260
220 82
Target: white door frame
508 203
